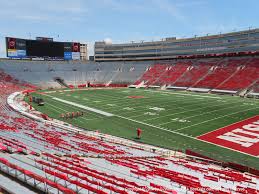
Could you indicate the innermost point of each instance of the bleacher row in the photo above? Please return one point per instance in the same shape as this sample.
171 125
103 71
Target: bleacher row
53 160
42 73
221 74
225 74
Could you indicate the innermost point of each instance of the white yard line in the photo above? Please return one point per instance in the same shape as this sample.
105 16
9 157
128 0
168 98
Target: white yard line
181 134
137 108
163 105
225 126
67 105
71 103
184 135
228 148
56 107
150 125
84 107
182 94
214 119
201 114
148 102
186 111
128 103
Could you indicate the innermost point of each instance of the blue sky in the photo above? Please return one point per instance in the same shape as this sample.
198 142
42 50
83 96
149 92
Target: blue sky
123 20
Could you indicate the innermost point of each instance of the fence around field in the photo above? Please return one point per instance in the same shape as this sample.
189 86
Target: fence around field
223 161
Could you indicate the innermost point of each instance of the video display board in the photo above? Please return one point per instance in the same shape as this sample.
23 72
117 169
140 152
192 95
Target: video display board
23 48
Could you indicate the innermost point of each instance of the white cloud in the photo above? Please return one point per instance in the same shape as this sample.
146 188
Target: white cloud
37 18
124 6
186 4
68 6
170 8
37 10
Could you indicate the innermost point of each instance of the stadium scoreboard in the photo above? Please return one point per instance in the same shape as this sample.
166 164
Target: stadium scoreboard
42 48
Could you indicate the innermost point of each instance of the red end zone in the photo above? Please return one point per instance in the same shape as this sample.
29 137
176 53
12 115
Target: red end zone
242 136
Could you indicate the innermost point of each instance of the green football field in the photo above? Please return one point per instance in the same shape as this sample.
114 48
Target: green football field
170 119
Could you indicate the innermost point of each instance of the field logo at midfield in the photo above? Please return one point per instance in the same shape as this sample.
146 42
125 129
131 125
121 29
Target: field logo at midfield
242 136
136 97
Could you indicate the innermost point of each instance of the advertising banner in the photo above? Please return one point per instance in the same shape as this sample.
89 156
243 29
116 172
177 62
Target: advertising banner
21 44
11 43
12 53
75 55
44 39
76 47
68 55
67 47
21 53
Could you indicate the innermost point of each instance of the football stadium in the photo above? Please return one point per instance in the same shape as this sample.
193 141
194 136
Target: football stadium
177 115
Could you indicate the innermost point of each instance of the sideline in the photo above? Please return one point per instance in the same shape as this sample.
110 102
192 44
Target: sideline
84 107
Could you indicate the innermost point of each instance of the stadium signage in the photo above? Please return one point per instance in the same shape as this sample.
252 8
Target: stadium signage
42 47
242 136
75 55
212 48
12 52
246 135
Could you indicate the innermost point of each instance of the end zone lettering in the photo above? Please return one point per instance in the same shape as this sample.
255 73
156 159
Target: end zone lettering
245 136
242 136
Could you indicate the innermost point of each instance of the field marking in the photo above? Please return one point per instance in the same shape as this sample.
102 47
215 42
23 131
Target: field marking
176 93
117 99
185 135
186 111
252 147
66 111
221 127
214 119
128 108
181 134
111 100
72 100
189 117
84 107
163 105
161 116
130 103
150 113
176 100
164 129
187 103
202 114
227 148
150 125
67 105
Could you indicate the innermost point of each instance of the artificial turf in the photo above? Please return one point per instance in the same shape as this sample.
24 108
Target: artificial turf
170 119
